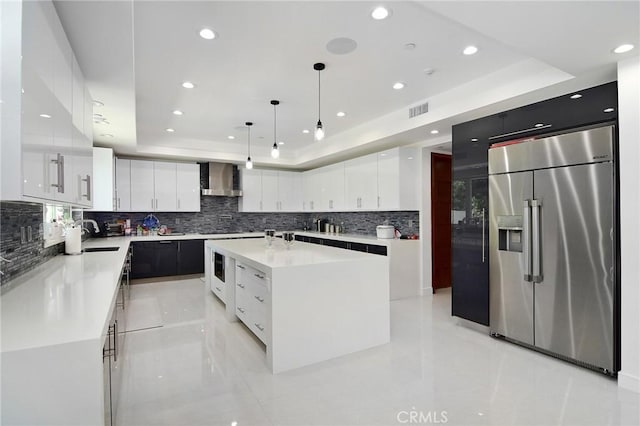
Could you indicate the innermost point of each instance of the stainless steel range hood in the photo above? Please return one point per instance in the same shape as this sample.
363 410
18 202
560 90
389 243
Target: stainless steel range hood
221 181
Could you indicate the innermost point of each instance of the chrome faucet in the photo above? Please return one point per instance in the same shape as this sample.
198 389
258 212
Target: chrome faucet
91 221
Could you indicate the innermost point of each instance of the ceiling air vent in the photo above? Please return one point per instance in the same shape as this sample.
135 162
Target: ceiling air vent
418 110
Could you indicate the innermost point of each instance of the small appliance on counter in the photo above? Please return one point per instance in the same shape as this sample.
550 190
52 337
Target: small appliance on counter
113 229
385 232
73 240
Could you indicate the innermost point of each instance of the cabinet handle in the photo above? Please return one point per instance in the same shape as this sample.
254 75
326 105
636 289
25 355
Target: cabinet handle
178 245
165 242
261 328
178 203
241 267
59 161
378 201
259 299
260 204
219 289
242 311
240 285
259 276
118 202
482 235
152 204
115 341
517 132
156 204
88 180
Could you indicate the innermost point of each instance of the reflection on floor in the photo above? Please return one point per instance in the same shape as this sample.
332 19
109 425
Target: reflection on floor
199 369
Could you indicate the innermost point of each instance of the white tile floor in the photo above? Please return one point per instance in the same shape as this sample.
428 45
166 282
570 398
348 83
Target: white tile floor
195 368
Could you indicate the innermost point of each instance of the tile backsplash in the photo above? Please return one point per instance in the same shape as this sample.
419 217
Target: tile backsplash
22 256
219 215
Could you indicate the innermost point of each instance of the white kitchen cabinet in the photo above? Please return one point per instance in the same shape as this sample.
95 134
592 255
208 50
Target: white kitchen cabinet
252 299
188 187
398 171
142 192
122 201
39 88
164 183
270 198
103 182
251 200
331 184
311 191
290 191
361 183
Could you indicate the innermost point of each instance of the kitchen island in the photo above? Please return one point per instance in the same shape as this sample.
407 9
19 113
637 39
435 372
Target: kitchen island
307 304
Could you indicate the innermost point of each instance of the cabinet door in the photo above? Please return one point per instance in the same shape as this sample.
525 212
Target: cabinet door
311 191
188 187
388 180
77 113
154 259
270 201
142 191
123 185
164 174
290 191
190 257
331 181
251 190
360 181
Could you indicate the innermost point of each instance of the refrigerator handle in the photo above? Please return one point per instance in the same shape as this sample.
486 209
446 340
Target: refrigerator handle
483 256
526 239
536 247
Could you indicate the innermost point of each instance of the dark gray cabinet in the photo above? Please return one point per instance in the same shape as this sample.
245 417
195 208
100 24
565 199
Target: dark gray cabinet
366 248
470 192
166 258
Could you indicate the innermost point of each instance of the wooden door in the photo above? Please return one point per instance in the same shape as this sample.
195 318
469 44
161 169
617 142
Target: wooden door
441 220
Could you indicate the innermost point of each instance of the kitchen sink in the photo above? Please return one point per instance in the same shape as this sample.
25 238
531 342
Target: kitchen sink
93 249
173 234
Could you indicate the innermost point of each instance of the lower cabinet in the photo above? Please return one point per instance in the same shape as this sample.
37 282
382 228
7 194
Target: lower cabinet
167 258
252 298
112 360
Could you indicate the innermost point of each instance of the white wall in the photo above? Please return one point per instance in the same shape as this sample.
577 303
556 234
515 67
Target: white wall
629 121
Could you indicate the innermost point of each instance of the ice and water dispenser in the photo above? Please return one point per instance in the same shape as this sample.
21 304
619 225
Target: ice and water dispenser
510 233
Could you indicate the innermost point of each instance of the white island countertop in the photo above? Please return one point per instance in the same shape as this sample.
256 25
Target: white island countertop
258 254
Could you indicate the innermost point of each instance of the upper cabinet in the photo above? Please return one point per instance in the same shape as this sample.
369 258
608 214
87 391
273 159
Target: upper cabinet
188 187
384 181
398 178
270 191
122 201
47 108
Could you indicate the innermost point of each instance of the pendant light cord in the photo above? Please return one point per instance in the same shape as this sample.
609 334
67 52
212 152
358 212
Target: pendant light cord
249 141
319 95
274 126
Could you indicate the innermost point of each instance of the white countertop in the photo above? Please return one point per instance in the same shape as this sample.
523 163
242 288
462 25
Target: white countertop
354 238
257 253
69 298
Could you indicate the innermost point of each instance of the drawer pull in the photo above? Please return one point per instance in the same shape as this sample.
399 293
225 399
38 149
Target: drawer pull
219 289
259 276
259 299
240 285
241 310
261 328
241 267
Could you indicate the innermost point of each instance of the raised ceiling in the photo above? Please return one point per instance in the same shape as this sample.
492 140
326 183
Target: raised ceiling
137 54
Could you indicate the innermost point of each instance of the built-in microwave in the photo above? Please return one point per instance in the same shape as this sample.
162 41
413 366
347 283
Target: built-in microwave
218 265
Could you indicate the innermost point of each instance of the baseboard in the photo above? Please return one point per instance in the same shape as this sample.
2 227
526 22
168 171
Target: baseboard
472 325
629 382
426 291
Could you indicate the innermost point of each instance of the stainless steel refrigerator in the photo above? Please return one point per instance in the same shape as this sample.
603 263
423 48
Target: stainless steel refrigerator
552 246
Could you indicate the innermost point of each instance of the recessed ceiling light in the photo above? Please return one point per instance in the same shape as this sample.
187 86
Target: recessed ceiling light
608 109
539 125
280 143
623 48
410 46
380 13
97 104
107 135
474 140
188 85
45 116
470 50
398 85
231 137
207 34
409 158
341 114
429 71
576 96
177 112
170 130
305 131
434 132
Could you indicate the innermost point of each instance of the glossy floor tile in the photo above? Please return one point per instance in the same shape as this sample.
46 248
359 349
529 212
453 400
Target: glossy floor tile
198 369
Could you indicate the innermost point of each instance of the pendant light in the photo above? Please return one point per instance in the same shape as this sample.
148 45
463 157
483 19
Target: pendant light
249 163
319 132
275 152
